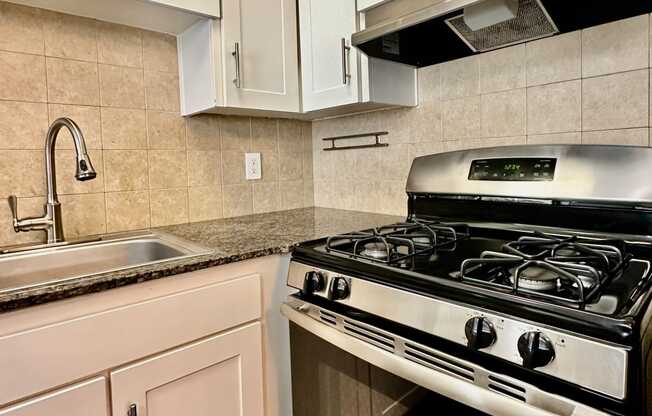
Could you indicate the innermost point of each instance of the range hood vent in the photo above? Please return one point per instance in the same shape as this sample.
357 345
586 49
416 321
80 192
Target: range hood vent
531 22
440 32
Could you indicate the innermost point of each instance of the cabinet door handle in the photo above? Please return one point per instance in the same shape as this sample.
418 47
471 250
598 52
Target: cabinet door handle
346 73
236 55
133 410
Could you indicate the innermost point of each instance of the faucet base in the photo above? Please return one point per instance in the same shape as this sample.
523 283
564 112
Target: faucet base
54 230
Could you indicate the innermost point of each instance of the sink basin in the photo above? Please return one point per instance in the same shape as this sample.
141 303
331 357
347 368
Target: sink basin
42 266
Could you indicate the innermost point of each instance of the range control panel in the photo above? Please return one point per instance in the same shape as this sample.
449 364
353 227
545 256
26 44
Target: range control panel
595 365
513 169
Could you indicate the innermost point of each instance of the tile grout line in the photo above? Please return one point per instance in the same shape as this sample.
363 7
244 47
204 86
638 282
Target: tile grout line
251 146
99 92
581 36
149 179
187 154
222 183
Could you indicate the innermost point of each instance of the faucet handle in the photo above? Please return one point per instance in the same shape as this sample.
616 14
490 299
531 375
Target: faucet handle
13 205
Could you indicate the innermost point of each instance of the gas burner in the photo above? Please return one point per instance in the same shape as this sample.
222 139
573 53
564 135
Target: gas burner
377 250
568 252
422 240
399 243
536 278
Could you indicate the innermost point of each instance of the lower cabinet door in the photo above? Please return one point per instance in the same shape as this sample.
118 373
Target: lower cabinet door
82 399
220 375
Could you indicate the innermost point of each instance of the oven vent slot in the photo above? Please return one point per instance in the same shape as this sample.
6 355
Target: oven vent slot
423 355
506 392
437 361
370 335
328 318
513 386
506 388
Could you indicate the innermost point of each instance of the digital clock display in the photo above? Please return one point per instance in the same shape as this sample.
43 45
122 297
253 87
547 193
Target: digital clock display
513 169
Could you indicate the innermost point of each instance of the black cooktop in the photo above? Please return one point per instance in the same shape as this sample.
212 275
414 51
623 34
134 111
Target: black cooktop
560 276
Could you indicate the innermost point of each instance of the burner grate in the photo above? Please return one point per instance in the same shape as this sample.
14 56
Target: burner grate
398 243
561 269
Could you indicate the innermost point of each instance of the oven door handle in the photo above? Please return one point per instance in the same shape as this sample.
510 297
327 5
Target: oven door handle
449 386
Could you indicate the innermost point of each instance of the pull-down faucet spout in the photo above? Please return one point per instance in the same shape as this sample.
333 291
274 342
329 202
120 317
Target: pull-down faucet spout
50 222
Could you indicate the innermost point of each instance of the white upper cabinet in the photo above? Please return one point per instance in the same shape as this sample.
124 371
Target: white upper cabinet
209 8
336 77
246 62
368 4
168 16
329 68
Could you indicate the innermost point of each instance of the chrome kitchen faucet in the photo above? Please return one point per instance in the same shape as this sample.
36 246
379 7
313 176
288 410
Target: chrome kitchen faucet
51 222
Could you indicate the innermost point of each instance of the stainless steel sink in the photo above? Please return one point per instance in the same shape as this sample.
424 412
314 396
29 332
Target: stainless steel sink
31 268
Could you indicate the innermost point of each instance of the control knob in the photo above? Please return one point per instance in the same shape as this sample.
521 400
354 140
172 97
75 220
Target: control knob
480 333
535 349
313 282
339 289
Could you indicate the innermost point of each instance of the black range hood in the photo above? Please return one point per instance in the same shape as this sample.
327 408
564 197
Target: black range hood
424 38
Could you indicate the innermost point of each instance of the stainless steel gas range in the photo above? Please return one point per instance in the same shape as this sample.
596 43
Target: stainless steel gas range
518 284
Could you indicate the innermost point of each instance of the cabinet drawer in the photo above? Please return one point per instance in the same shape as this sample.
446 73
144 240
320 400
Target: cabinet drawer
220 375
82 399
60 353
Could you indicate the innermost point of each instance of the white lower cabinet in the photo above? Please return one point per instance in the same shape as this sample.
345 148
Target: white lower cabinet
220 375
88 398
197 344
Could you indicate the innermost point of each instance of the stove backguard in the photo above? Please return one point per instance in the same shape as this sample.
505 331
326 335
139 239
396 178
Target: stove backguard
601 219
582 187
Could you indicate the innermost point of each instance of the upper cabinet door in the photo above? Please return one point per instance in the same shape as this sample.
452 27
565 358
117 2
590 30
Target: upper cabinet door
260 54
220 375
329 66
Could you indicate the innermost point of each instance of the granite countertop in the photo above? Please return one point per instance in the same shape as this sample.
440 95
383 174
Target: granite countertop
228 240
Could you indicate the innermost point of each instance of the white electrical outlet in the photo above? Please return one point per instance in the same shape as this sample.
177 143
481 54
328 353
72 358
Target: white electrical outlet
252 166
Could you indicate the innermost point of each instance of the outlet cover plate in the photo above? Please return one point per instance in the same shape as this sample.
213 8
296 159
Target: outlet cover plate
253 169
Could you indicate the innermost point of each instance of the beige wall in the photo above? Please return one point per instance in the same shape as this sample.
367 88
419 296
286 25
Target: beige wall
582 87
154 167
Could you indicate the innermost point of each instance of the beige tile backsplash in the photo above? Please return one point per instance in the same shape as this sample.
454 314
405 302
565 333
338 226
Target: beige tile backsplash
589 86
21 29
553 108
616 47
120 84
502 69
72 82
554 59
22 77
119 45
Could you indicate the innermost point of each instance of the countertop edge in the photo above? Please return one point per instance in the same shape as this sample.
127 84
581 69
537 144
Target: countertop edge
228 240
99 283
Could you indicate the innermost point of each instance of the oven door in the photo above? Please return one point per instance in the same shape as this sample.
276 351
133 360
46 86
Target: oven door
449 376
